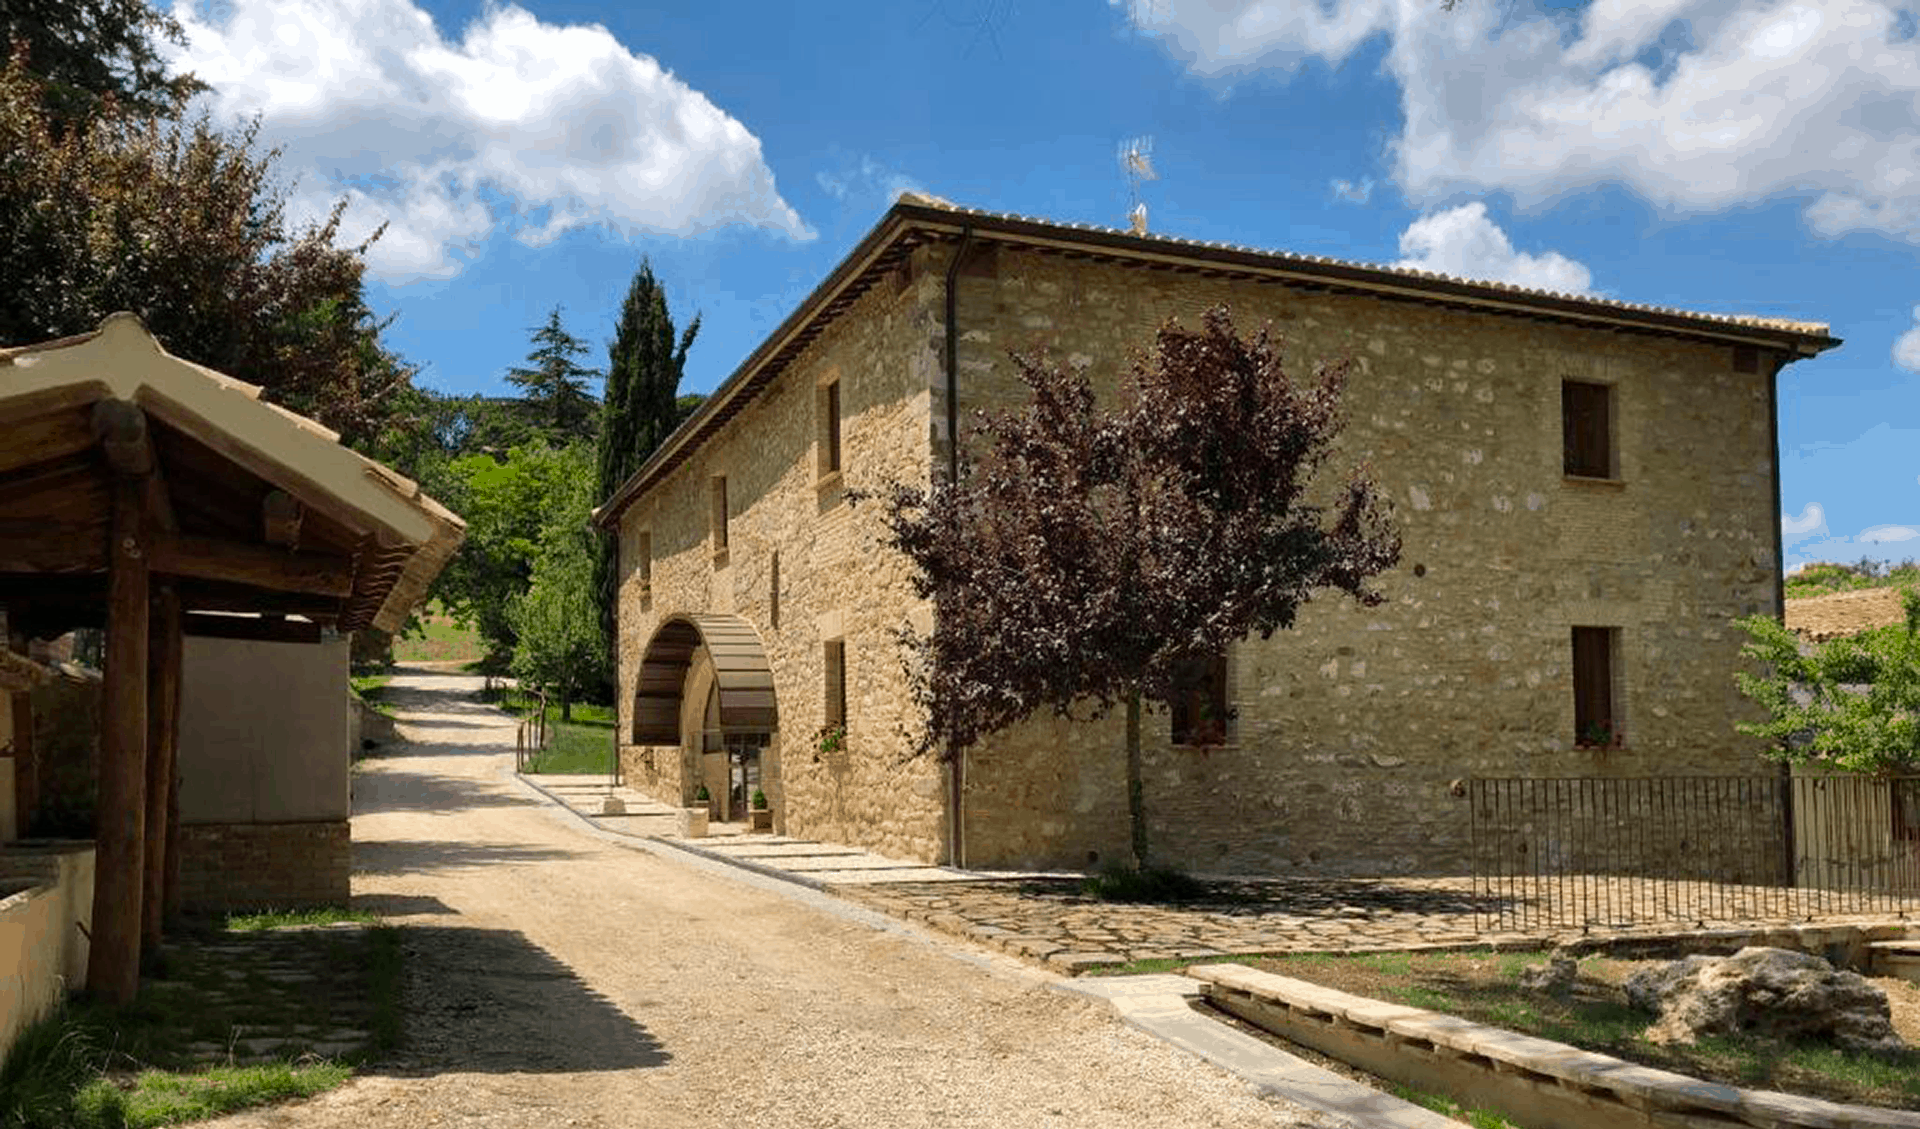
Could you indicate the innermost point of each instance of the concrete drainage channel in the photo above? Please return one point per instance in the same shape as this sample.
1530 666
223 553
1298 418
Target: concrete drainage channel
1533 1081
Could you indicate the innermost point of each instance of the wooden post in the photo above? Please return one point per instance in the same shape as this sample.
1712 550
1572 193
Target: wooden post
113 965
164 647
26 763
120 810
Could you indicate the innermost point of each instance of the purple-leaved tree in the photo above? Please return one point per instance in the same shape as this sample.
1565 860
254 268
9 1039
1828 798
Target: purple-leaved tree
1093 552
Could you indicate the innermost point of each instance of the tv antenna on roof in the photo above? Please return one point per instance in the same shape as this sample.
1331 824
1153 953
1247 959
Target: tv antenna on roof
1136 162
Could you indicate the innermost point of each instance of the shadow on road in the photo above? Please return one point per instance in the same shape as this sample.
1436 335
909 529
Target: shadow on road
401 905
490 1001
397 790
375 856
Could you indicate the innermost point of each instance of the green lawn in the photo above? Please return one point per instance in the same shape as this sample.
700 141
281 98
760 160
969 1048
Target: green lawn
583 746
441 639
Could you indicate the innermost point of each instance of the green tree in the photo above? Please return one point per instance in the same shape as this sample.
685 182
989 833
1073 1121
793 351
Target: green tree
556 384
644 364
1851 704
182 225
86 50
508 506
1095 556
558 645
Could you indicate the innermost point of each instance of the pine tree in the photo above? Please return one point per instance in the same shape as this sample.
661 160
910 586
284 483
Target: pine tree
557 384
641 410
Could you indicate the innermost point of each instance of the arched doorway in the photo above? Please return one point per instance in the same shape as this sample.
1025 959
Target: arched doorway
705 686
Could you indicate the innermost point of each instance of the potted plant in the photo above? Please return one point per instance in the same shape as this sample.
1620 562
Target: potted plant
760 815
1599 735
703 799
830 739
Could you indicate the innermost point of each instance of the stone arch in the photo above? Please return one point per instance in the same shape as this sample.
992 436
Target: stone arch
743 680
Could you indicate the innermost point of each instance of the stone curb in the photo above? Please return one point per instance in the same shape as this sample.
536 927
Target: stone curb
1158 1004
1584 1075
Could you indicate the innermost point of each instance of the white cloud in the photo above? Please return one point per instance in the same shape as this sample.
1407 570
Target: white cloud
1464 242
1881 534
533 127
1906 347
1693 104
864 178
1811 522
1353 193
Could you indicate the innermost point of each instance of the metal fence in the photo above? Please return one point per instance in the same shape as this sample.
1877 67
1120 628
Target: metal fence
1604 852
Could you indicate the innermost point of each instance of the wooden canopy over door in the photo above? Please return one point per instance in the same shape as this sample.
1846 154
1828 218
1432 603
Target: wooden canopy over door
742 678
143 494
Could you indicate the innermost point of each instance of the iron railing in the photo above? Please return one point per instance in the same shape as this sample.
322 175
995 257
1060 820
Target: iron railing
1614 852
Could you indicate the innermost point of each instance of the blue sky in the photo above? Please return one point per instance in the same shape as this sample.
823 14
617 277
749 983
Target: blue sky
1755 157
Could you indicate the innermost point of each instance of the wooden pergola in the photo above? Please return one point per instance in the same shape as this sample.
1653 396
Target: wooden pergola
155 498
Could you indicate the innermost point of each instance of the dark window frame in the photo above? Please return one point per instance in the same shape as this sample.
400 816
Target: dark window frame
1596 706
1587 429
1201 706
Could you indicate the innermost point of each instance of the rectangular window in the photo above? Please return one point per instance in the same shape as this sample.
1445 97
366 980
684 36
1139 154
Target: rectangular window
643 560
1596 716
1587 422
836 681
719 519
829 408
1200 709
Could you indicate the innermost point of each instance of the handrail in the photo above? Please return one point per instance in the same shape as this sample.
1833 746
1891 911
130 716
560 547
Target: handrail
530 737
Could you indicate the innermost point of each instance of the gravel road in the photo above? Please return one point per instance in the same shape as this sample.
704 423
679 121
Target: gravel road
557 978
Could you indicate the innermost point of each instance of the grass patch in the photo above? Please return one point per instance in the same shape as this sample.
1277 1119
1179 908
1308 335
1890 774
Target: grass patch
440 638
283 918
160 1097
225 1026
1484 986
371 689
582 746
1447 1107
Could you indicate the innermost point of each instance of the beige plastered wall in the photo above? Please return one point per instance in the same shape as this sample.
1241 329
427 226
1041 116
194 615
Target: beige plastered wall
835 578
1351 725
264 731
46 906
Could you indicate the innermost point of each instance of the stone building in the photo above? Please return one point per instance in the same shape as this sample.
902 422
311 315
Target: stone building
1587 491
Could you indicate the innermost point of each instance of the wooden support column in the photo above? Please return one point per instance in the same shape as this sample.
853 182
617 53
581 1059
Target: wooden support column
26 764
113 964
164 648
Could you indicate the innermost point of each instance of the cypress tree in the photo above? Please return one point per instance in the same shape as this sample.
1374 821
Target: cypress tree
643 382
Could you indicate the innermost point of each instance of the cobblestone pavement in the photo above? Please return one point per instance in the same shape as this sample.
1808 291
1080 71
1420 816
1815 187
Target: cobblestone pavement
264 996
1051 921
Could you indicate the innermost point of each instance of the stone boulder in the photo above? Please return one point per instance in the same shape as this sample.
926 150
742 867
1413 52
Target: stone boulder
1774 993
1555 978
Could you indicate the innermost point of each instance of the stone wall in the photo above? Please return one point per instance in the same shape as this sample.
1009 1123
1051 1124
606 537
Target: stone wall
804 566
1351 726
236 866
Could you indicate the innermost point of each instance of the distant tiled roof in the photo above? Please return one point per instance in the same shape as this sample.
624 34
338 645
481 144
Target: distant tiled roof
1820 618
917 219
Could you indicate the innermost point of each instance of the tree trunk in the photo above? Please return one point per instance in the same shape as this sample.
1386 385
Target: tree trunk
566 707
1136 789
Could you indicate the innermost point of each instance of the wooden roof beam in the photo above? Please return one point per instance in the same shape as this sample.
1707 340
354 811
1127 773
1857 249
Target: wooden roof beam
280 514
256 566
36 546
